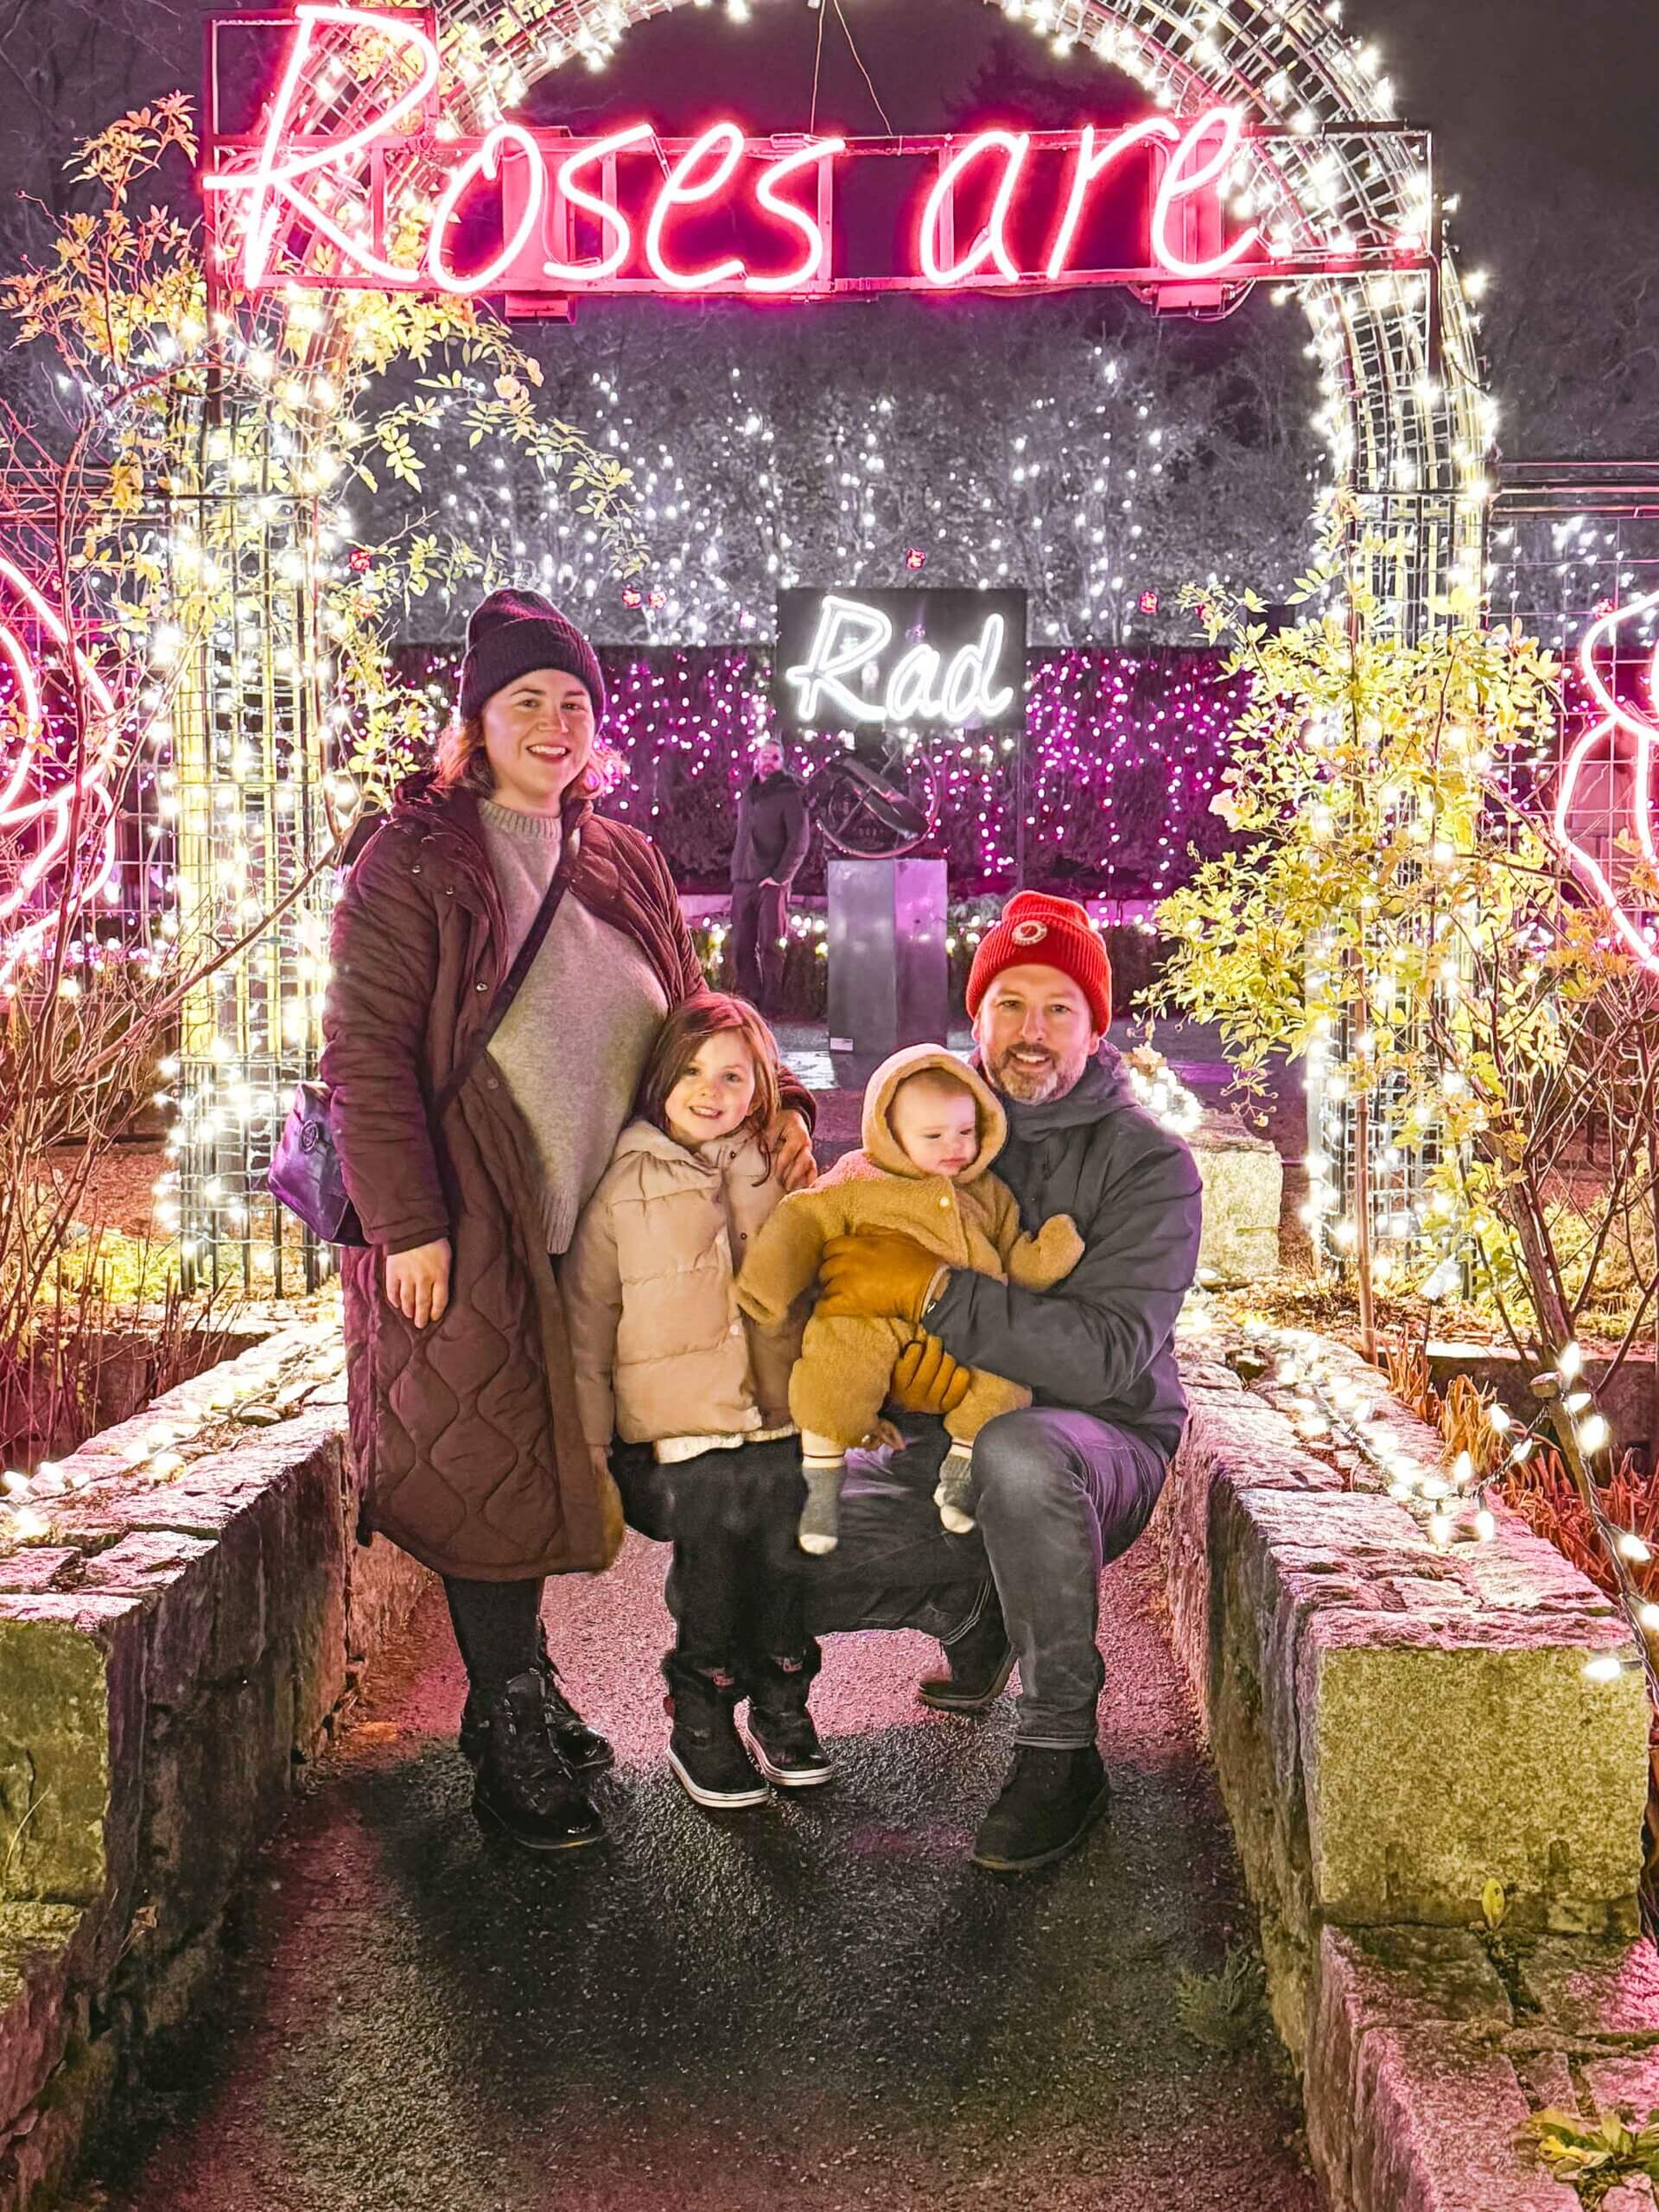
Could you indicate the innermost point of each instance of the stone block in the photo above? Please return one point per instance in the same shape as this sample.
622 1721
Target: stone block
1626 2081
1627 1400
72 1717
1410 2107
1593 1989
1244 1191
38 1567
1440 1754
38 2008
176 1578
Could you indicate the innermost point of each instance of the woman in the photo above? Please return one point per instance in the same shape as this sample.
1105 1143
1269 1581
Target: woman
463 1412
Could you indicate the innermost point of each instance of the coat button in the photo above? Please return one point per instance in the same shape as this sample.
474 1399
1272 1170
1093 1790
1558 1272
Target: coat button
415 869
945 1200
478 987
493 1083
737 1328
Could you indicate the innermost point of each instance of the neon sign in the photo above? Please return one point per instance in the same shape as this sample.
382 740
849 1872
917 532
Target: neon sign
567 216
1644 731
837 669
29 800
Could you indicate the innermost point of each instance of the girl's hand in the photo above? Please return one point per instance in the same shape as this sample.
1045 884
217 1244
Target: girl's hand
417 1283
792 1151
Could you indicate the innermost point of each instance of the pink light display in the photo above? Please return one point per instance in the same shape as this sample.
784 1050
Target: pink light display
290 189
1615 719
37 796
1125 751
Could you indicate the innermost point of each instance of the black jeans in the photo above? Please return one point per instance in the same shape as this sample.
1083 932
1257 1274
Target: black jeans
759 917
736 1585
1059 1494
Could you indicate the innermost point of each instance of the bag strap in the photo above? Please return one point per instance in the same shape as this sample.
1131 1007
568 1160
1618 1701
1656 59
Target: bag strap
515 975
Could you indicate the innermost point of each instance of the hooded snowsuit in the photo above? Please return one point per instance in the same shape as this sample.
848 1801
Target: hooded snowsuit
841 1380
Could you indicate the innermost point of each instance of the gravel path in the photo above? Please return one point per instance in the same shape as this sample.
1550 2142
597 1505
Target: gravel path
818 2003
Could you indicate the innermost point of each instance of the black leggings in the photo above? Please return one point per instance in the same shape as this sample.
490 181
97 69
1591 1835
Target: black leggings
498 1627
735 1587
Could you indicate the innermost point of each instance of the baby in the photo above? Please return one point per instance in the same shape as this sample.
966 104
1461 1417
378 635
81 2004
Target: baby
932 1128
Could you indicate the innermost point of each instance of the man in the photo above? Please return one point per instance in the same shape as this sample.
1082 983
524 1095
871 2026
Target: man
1068 1484
772 836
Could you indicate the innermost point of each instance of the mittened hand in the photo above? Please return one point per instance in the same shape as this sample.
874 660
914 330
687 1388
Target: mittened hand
926 1379
881 1275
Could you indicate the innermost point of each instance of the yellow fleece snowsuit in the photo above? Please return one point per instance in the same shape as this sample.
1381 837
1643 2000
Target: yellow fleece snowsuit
840 1382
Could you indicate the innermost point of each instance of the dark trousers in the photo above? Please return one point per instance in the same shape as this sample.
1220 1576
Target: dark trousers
1059 1494
759 917
498 1628
736 1585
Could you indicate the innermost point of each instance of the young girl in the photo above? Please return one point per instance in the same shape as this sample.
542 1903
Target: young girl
664 1358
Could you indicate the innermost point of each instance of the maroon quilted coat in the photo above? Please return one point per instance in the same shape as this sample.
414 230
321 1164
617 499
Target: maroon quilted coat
468 1445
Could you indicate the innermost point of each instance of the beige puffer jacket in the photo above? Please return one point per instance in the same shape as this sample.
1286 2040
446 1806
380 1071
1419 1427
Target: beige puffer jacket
661 1349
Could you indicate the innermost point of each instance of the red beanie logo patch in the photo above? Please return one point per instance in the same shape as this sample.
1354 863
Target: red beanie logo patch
1029 932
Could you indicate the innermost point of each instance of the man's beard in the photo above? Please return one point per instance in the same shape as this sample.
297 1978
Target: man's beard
1033 1086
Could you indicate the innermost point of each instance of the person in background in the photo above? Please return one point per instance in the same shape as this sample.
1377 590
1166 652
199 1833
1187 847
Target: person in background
773 833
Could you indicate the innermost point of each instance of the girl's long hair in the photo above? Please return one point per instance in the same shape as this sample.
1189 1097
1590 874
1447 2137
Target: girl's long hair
712 1014
462 763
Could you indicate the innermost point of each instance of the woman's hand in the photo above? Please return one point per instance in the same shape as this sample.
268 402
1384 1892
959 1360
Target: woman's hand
417 1283
792 1151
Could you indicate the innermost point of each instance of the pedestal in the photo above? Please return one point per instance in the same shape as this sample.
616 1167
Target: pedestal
889 980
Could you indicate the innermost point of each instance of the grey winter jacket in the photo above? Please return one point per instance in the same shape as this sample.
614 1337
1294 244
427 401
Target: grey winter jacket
773 832
1102 1342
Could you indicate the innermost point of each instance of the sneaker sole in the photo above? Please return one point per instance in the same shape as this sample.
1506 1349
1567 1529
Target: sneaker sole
949 1701
716 1800
1047 1858
815 1780
487 1813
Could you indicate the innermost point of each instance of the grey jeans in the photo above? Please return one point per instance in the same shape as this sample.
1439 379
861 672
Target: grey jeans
1059 1495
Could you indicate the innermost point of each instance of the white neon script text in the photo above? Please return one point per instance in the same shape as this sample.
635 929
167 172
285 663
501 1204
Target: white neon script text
853 636
1644 733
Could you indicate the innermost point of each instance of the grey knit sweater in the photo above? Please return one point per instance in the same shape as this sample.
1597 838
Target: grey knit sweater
575 1039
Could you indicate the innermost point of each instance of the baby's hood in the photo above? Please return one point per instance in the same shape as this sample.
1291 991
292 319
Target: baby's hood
883 1146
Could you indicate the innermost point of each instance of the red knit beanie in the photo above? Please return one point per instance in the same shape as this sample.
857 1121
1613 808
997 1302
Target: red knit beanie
1040 932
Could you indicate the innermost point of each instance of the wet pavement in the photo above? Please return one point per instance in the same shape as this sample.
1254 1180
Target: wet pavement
818 2003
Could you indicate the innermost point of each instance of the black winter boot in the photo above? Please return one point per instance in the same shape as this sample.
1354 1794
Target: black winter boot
704 1748
780 1731
523 1785
1048 1803
583 1750
978 1665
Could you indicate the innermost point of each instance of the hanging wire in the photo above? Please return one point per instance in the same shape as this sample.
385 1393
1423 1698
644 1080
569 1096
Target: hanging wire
817 65
863 72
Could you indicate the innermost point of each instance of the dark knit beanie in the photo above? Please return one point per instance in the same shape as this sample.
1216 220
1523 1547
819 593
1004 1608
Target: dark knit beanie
511 633
1054 933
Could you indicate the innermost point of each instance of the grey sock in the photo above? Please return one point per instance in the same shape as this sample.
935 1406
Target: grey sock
955 1494
819 1530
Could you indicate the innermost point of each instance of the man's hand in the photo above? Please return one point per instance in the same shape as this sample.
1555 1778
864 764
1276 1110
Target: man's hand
926 1379
792 1151
417 1283
882 1274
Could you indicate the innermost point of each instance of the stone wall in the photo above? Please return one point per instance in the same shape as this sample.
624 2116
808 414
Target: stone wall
1394 1725
171 1653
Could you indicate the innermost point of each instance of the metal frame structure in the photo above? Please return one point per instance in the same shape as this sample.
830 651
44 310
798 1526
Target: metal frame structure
1328 167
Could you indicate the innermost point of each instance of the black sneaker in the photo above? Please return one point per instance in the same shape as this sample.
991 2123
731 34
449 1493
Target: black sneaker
978 1664
787 1750
583 1750
1048 1804
523 1784
704 1748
